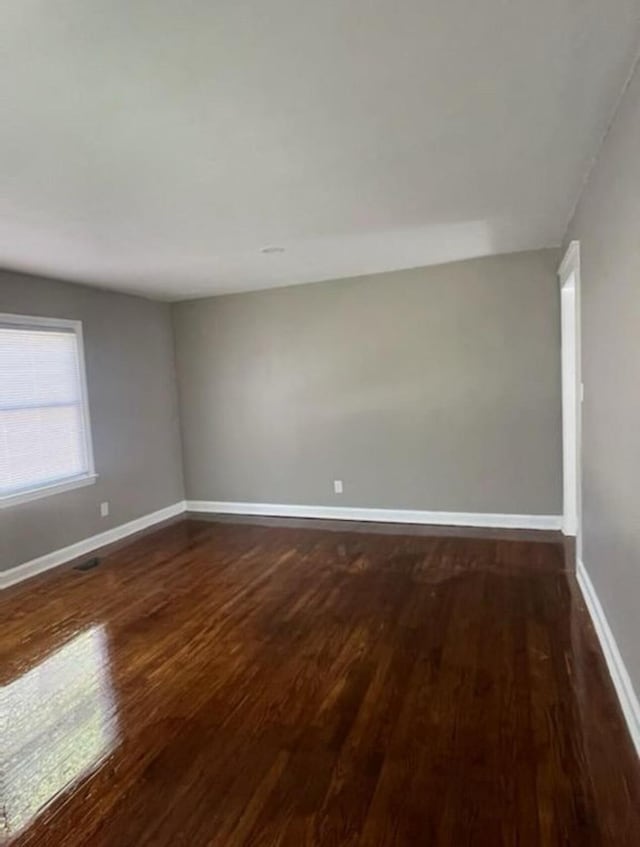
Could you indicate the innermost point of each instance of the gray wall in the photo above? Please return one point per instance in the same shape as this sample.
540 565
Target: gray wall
133 403
437 389
607 223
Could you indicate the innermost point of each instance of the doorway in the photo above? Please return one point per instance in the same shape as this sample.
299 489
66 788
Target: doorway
572 391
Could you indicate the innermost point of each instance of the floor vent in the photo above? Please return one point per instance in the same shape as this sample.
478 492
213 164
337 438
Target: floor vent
88 565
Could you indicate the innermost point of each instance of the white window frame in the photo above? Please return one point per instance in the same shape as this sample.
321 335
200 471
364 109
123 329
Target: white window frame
89 476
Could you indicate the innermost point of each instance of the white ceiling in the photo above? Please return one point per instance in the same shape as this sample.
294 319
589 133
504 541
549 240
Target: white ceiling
156 146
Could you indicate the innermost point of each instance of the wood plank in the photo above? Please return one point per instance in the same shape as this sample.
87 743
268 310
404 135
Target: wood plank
235 683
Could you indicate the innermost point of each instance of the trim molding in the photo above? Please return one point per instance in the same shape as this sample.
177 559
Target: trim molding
341 513
46 490
571 260
102 539
87 545
572 517
617 669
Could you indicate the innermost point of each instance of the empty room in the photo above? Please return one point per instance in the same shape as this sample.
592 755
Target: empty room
320 423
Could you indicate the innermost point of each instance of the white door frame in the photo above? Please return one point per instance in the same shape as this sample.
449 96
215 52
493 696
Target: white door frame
572 394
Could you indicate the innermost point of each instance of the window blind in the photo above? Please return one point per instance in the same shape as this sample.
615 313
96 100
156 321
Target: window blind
44 436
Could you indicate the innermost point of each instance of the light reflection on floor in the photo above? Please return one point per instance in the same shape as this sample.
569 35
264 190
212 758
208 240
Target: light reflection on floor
57 722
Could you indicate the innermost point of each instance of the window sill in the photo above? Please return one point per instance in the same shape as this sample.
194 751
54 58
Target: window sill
47 490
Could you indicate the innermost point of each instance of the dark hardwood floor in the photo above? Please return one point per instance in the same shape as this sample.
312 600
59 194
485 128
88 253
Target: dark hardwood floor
236 684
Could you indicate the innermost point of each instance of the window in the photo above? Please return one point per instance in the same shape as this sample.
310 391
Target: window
45 438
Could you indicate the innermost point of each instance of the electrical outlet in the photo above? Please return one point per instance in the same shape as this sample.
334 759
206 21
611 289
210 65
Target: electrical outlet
104 509
337 486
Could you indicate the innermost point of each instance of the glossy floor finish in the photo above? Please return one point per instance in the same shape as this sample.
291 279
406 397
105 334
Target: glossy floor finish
231 684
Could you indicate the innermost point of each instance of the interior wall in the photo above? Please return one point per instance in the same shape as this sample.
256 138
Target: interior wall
607 224
433 389
130 366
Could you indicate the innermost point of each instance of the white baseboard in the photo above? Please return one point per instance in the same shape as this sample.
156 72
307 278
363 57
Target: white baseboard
87 545
407 516
619 674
